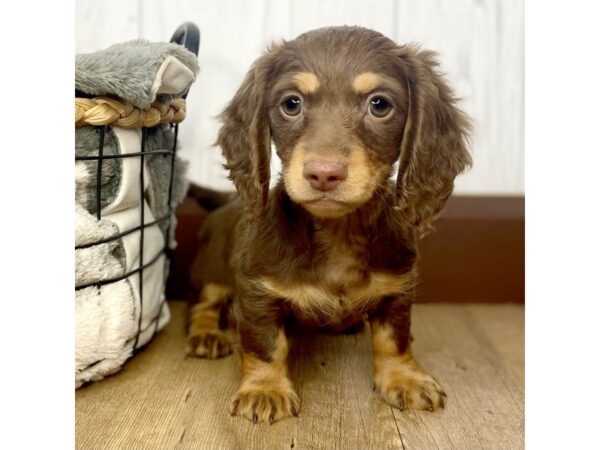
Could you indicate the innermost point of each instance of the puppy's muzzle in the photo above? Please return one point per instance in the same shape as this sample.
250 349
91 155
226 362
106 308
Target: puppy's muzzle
324 176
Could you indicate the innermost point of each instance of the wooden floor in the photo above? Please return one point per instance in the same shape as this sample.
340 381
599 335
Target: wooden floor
163 400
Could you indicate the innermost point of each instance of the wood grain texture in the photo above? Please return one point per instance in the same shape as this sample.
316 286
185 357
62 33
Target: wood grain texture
480 43
163 400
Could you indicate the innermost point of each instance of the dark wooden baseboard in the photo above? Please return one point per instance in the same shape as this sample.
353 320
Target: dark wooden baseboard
476 254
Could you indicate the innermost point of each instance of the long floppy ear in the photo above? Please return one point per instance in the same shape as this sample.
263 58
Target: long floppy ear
245 136
434 146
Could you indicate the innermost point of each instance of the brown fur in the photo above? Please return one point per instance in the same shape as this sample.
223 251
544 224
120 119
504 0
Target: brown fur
329 258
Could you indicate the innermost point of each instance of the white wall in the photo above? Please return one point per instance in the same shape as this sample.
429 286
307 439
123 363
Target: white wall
480 43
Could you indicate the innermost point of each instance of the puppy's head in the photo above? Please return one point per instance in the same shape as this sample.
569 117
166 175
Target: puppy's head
342 105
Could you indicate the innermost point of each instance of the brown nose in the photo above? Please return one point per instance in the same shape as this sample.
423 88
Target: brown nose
324 176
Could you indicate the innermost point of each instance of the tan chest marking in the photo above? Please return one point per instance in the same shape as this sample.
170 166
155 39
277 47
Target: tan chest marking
340 283
320 299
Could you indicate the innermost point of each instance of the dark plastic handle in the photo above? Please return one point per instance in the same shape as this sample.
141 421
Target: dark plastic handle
187 35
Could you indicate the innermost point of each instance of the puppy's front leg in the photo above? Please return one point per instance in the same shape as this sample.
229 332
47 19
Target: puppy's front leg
397 376
266 393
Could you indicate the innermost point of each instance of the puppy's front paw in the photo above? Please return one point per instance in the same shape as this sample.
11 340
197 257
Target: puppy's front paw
404 384
210 344
268 404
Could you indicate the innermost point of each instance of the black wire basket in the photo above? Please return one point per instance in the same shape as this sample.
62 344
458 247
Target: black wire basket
187 35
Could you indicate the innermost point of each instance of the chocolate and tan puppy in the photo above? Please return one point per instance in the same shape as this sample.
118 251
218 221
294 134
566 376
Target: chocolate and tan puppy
335 240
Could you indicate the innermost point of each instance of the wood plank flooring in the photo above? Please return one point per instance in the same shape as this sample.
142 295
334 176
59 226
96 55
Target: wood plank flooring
163 400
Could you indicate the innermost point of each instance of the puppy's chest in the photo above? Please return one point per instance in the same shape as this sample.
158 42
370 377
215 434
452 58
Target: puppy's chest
340 260
339 285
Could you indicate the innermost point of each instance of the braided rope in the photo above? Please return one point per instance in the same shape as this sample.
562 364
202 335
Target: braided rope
117 112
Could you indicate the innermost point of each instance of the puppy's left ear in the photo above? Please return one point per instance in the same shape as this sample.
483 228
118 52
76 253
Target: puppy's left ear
245 136
434 145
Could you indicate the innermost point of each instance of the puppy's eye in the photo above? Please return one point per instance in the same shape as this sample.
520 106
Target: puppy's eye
379 107
292 105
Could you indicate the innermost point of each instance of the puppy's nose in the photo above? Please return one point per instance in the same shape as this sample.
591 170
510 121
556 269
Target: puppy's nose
324 176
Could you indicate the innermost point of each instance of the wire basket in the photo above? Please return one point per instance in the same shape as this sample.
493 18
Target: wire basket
187 35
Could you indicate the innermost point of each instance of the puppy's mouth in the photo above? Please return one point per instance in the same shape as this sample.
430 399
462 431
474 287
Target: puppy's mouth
326 203
325 206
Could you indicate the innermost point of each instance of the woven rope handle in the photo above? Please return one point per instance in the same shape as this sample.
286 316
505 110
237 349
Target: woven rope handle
120 113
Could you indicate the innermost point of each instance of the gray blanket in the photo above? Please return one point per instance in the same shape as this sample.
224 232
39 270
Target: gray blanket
129 70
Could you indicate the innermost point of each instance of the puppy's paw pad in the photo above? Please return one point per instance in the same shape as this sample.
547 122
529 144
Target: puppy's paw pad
268 405
412 389
210 344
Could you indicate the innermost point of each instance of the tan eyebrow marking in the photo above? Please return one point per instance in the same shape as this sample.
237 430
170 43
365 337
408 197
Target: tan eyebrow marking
365 82
306 82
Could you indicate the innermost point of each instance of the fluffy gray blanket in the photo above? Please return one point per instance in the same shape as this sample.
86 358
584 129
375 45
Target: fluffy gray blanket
130 71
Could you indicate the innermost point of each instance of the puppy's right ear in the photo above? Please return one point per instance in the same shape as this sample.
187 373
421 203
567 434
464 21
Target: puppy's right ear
435 143
245 136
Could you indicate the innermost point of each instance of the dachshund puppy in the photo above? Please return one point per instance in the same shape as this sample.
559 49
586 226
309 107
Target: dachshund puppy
335 241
